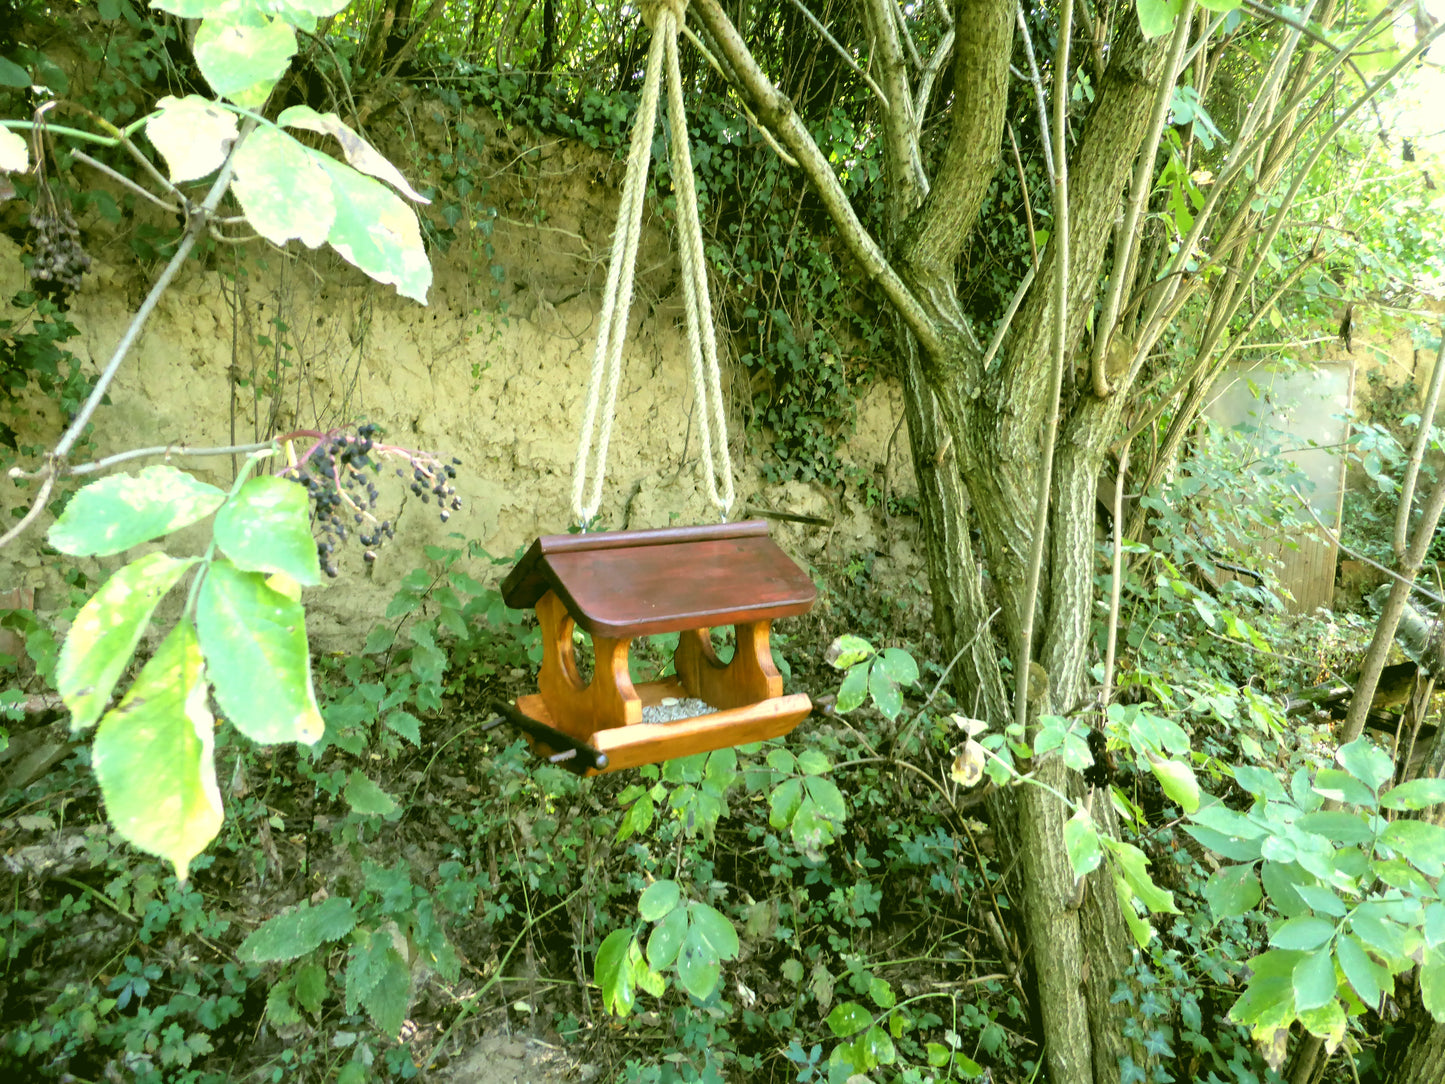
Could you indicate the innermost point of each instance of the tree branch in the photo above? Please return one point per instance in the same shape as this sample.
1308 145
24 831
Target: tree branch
778 113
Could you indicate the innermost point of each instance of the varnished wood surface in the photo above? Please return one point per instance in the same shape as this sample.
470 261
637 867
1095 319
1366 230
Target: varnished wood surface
649 743
639 583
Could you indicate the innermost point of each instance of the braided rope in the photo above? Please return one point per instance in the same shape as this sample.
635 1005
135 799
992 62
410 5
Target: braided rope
665 17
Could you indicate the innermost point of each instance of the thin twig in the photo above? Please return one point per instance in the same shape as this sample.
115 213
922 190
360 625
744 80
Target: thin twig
1061 311
1417 454
1024 188
122 179
1334 537
837 48
1008 316
1039 99
1116 576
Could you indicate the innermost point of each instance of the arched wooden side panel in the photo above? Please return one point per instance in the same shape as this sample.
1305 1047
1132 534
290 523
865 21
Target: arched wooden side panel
609 700
749 678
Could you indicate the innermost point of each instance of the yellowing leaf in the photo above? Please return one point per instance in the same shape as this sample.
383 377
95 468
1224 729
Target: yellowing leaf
192 134
359 153
282 189
14 154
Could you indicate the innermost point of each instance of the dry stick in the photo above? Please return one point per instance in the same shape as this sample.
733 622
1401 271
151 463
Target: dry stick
1116 575
1061 311
55 460
1417 454
1140 188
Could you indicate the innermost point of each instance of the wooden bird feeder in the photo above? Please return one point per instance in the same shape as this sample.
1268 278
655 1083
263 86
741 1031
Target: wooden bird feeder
620 585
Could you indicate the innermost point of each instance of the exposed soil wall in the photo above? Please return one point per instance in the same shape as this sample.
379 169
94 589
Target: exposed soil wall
299 340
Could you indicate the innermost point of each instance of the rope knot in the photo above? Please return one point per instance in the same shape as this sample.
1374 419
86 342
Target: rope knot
651 9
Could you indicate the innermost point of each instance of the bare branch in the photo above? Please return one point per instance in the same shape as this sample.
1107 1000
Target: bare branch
930 76
122 179
778 113
846 56
1417 454
1038 84
1128 236
1061 311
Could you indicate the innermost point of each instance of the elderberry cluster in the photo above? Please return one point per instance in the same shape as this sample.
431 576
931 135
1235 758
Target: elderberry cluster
59 258
339 474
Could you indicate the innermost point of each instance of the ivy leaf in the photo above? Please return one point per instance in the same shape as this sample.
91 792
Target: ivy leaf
121 511
266 527
283 189
293 934
254 640
105 633
193 135
153 756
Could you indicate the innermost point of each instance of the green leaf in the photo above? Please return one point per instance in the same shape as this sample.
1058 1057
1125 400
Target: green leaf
193 134
376 232
283 189
1233 848
879 1046
782 761
360 154
854 689
849 1018
1134 866
1304 932
828 798
1220 6
613 973
13 75
1432 984
1141 930
387 1000
1336 825
698 967
1081 841
311 985
1359 969
1258 782
1157 16
658 899
812 762
1343 787
881 993
666 938
1327 1021
1435 924
266 527
1232 891
1368 763
1177 780
121 511
847 652
884 690
367 798
405 724
1323 900
898 665
1420 843
294 933
153 756
242 54
715 929
105 633
1415 794
1314 980
783 803
254 640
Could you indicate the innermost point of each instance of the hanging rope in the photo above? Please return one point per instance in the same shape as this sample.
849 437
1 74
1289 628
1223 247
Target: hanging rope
665 17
